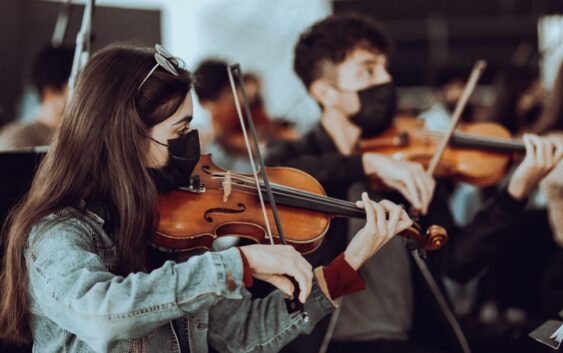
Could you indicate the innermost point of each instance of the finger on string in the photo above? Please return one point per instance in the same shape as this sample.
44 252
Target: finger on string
370 212
403 219
381 218
390 207
530 150
393 222
387 205
540 150
547 148
404 216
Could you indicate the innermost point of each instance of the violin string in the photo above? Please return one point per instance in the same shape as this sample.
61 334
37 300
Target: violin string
301 198
471 137
290 191
318 199
322 200
303 195
496 140
294 191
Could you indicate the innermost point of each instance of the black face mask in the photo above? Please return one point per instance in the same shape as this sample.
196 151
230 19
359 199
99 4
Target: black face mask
183 155
378 105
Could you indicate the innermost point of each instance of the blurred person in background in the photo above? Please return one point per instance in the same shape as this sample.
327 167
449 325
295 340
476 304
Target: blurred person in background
517 295
215 95
49 75
448 87
551 124
519 98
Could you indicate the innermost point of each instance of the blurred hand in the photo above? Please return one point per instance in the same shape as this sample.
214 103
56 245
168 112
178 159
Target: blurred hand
542 155
408 178
379 229
272 263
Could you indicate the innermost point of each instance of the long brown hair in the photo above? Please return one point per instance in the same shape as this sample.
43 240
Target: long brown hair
97 156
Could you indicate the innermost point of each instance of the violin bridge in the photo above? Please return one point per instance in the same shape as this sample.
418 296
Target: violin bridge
227 186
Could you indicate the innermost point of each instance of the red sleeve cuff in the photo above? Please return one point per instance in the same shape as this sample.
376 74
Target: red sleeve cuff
342 279
247 273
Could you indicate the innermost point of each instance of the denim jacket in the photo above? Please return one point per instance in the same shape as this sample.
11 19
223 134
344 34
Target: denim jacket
79 305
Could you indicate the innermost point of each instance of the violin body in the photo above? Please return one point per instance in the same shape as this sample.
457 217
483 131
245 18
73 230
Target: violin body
479 154
220 203
192 219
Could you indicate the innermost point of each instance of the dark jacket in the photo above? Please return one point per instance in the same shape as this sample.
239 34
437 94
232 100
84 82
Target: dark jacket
467 252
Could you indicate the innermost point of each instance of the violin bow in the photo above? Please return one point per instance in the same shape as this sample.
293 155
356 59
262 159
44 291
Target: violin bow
476 73
234 71
83 47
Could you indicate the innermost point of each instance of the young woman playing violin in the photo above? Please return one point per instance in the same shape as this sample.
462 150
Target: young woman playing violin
75 277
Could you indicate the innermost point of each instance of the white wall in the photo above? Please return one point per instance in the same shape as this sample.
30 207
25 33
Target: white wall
259 34
550 38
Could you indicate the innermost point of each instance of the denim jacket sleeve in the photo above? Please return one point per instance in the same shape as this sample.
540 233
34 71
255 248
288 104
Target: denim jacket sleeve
72 286
262 325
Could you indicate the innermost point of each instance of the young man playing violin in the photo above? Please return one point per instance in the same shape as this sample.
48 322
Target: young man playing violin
342 60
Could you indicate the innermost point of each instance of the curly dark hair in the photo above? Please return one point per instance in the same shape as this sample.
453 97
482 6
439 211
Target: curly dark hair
51 68
332 39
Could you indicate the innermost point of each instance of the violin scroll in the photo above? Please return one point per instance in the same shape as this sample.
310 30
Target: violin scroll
436 237
415 239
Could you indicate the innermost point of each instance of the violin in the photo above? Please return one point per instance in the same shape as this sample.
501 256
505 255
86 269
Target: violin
477 153
223 203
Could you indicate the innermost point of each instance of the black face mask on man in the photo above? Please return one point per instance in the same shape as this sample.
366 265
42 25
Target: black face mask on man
183 155
378 105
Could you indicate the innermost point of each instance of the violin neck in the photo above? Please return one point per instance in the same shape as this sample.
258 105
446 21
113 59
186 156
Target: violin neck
318 203
487 143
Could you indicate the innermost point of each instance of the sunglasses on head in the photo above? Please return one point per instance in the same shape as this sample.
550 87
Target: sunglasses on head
165 60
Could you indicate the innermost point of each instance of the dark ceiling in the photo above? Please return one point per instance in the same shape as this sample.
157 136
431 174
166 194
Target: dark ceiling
432 34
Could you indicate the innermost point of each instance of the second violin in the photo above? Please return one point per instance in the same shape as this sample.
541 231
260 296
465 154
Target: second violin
478 153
